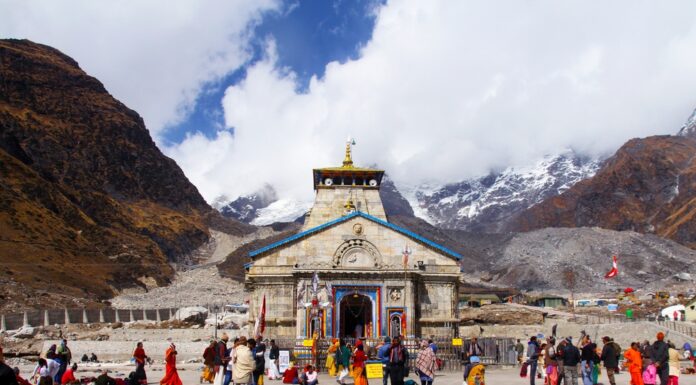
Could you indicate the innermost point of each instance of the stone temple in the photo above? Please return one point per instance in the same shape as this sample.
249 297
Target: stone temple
351 273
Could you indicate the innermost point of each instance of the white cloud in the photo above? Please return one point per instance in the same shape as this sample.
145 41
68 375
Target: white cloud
443 91
152 55
447 90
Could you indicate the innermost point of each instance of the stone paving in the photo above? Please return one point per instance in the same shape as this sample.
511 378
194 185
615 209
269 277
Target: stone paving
190 374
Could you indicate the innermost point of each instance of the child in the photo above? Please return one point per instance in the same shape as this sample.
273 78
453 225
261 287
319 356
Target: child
650 375
477 372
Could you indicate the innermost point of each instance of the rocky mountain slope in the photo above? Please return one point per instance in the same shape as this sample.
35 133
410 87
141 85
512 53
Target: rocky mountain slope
88 204
487 203
648 186
538 259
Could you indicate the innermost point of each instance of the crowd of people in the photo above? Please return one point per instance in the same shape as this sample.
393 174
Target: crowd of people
244 361
563 362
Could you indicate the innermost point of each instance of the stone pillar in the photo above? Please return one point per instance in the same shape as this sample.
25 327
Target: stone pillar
101 315
144 315
132 319
84 316
3 323
67 317
46 320
117 318
170 314
159 318
26 320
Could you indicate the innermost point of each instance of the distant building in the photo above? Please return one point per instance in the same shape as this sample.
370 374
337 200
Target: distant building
690 310
549 301
477 300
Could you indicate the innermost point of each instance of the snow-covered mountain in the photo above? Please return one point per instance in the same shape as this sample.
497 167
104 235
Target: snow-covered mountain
481 204
245 208
484 204
689 128
262 207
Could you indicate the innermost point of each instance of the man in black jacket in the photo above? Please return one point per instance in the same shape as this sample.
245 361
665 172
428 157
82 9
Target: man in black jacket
571 359
398 361
659 356
609 359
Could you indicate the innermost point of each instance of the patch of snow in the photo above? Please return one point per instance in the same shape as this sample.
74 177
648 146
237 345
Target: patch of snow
282 210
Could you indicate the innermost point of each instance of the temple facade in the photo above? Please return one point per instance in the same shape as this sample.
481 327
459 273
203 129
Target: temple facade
349 272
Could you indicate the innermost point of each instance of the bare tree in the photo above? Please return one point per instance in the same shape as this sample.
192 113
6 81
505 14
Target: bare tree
570 283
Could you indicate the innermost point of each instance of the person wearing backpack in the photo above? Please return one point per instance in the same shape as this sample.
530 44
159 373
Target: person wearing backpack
571 359
617 350
609 358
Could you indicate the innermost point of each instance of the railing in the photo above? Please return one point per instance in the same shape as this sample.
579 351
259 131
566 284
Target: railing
679 327
45 317
683 327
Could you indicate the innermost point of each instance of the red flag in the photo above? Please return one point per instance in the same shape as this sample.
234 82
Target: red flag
260 325
614 269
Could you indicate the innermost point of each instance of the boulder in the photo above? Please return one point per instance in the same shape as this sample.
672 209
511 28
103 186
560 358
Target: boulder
193 314
25 332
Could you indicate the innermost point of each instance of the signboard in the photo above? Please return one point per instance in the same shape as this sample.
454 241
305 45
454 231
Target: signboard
457 342
283 361
612 307
307 343
374 370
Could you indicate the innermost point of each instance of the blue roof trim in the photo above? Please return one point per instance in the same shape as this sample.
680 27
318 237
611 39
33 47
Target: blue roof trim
350 216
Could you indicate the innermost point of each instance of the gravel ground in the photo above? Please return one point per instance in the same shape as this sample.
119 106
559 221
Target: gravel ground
200 284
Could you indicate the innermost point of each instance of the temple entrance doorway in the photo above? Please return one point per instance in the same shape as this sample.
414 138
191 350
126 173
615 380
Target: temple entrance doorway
356 315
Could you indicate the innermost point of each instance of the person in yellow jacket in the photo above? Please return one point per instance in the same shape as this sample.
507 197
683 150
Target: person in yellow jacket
331 358
477 373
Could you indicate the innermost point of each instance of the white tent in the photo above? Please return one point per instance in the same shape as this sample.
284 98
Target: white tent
668 312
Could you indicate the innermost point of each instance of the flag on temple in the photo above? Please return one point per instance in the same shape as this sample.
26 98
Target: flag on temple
614 269
406 252
260 325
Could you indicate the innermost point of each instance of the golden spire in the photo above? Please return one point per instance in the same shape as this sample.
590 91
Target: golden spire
348 161
349 206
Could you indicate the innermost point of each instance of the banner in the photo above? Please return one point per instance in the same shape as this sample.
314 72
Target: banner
283 361
374 370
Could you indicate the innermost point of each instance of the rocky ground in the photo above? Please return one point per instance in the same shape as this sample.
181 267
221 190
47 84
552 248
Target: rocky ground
196 284
537 260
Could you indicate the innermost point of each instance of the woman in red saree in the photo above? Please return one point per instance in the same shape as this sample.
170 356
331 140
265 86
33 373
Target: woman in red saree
359 366
140 359
171 377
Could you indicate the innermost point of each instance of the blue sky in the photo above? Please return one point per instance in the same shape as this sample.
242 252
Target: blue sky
307 34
